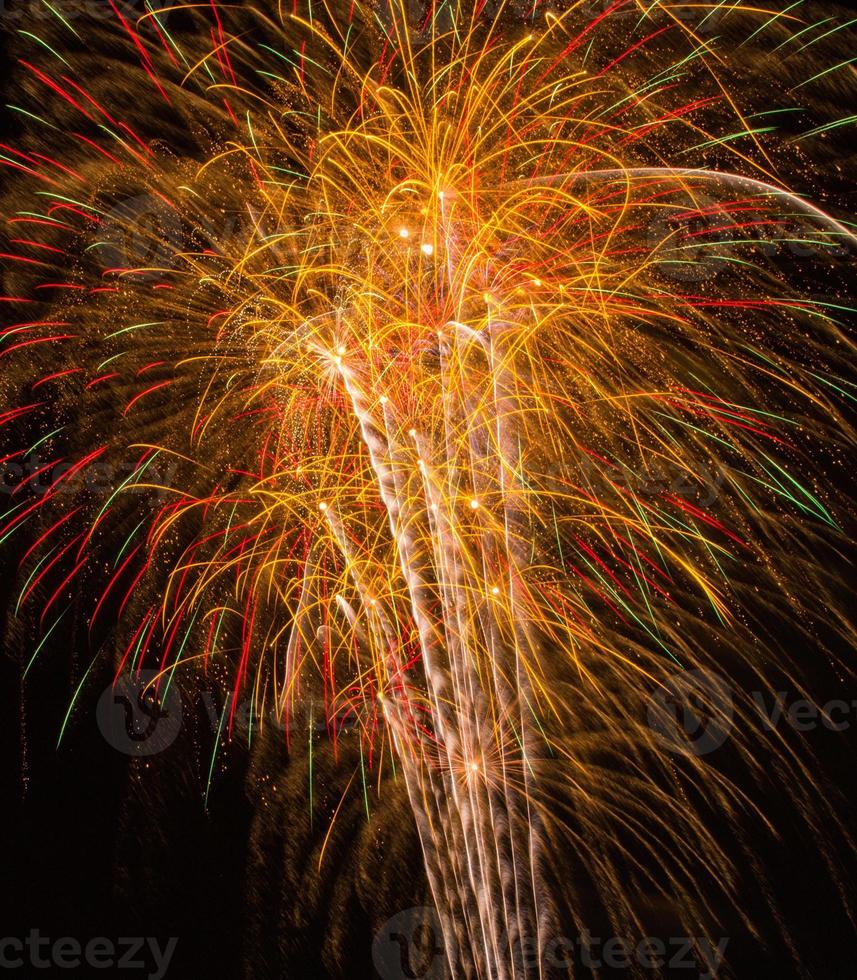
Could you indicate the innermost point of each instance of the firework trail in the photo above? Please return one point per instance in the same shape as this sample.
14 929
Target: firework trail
421 337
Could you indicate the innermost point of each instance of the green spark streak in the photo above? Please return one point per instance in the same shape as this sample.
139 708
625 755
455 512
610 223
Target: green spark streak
842 391
269 74
56 13
827 71
252 718
310 765
689 425
794 37
696 53
44 44
217 629
644 588
39 564
292 173
30 114
535 718
252 134
821 37
711 13
827 127
44 640
136 326
137 473
74 700
310 60
181 648
214 755
775 112
17 527
44 217
732 136
778 490
167 34
111 358
558 541
70 200
38 442
363 778
770 21
279 54
822 511
9 334
118 138
127 542
142 636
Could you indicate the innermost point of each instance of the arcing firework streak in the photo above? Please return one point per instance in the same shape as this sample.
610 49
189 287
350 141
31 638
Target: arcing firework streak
444 331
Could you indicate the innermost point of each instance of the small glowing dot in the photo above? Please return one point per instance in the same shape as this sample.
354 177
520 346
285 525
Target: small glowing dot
322 506
412 433
404 233
537 282
340 350
440 195
474 503
474 767
495 590
383 399
427 248
434 507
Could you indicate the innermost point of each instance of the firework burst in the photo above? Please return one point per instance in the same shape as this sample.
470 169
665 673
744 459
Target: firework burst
450 371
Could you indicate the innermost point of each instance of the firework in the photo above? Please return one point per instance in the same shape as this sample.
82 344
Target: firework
424 341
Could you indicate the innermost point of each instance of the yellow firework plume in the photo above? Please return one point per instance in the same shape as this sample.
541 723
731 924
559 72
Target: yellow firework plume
488 393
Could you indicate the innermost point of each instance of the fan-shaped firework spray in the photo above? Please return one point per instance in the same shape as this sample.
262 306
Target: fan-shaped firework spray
423 337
